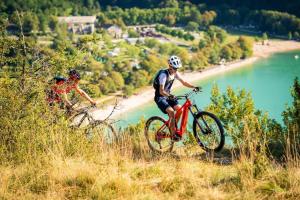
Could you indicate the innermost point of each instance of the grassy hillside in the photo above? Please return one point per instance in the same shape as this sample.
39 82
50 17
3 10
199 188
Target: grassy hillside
130 171
42 158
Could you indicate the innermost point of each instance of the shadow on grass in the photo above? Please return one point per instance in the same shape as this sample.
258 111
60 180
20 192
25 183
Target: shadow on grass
224 157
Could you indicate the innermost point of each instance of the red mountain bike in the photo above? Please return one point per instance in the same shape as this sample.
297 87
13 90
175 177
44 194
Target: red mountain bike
207 128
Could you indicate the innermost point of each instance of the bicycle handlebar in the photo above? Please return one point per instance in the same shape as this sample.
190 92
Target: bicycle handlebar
186 96
84 109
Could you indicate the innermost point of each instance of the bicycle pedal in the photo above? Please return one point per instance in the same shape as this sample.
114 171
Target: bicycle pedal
176 137
162 135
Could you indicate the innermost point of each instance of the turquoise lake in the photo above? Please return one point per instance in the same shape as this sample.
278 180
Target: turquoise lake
269 81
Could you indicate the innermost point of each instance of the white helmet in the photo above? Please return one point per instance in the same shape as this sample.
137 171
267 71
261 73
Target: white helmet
174 62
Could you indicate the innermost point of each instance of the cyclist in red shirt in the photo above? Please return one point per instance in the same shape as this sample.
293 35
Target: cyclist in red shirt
62 86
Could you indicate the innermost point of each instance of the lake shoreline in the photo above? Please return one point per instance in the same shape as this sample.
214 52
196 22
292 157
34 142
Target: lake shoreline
259 51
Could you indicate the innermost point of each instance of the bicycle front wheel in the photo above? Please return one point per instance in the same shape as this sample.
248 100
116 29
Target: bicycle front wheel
158 135
103 130
208 131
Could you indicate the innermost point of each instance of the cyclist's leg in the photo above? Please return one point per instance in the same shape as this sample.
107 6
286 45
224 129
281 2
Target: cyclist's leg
174 104
171 113
177 107
164 106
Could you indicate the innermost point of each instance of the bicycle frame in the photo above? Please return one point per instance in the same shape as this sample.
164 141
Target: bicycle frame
183 114
85 114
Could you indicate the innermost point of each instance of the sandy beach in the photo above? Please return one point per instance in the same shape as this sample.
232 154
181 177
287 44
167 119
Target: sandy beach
259 51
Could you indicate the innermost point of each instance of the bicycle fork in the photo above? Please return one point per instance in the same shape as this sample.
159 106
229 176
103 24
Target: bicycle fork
207 129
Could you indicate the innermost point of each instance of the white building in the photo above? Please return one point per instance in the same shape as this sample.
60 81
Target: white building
79 24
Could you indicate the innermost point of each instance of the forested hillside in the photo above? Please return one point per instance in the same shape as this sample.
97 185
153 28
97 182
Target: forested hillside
274 16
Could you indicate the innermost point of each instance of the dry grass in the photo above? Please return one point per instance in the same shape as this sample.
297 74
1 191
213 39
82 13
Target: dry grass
128 170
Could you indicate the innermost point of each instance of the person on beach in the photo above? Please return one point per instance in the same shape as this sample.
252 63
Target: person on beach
162 84
61 86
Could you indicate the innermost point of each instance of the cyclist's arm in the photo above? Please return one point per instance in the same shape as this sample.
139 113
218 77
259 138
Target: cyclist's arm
162 80
85 95
162 91
185 83
65 98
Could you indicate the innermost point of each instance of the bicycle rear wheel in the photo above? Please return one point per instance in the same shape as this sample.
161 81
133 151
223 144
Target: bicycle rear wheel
103 130
158 135
210 136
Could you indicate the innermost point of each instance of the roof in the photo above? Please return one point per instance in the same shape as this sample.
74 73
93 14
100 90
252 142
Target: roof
78 19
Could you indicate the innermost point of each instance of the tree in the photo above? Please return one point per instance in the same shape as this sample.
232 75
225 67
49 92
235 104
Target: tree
207 18
151 42
43 23
182 53
291 118
236 51
152 64
128 90
296 35
132 33
236 110
216 34
264 38
89 3
3 25
180 33
246 45
188 37
214 56
195 15
104 87
198 61
169 4
192 26
202 43
221 35
53 23
30 22
111 84
164 49
139 78
93 90
118 79
170 20
290 36
174 32
226 52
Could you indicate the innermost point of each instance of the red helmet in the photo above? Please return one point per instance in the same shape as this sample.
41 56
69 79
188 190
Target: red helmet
73 73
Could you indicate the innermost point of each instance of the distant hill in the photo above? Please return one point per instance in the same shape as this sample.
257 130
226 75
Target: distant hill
51 6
